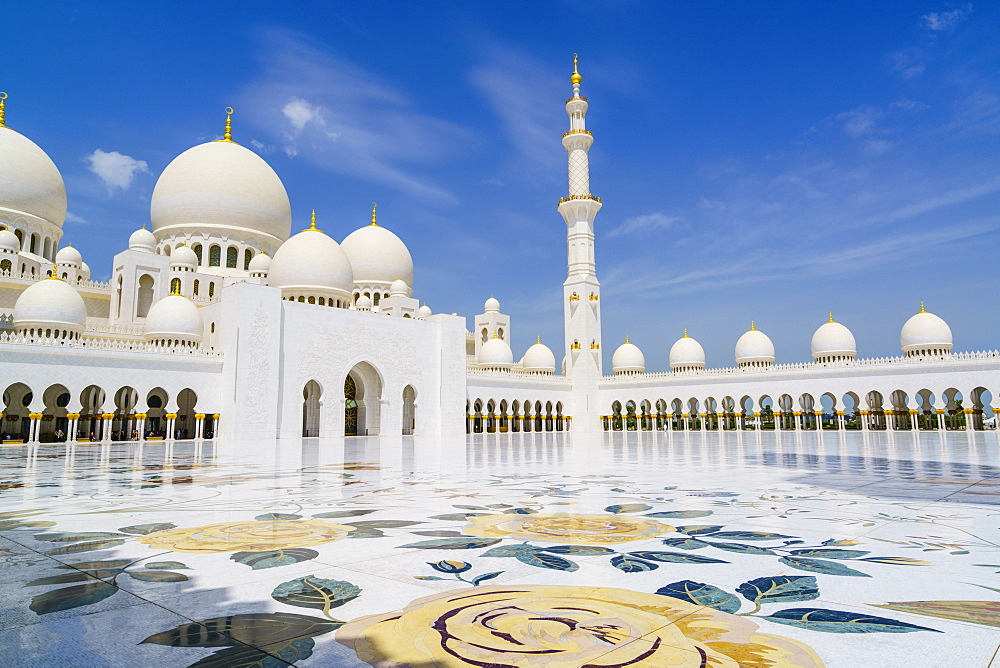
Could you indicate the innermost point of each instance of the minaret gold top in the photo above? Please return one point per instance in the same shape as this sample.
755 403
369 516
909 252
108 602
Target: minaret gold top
576 78
374 205
3 110
228 136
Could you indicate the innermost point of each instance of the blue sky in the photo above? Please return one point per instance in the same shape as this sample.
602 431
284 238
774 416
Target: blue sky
765 161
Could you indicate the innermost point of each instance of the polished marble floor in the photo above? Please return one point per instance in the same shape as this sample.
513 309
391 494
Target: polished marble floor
549 550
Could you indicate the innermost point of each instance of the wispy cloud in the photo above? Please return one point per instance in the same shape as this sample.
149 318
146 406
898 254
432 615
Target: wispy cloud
325 109
907 63
73 218
644 223
940 21
115 169
520 92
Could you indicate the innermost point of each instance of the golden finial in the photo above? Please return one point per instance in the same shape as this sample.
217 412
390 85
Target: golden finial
831 317
228 136
71 244
539 339
626 338
3 110
752 327
175 288
312 223
686 332
922 308
144 226
374 205
576 78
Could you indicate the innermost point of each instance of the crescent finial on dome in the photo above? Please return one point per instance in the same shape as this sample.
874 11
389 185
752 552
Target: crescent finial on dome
626 338
575 79
922 310
374 205
831 317
228 136
3 110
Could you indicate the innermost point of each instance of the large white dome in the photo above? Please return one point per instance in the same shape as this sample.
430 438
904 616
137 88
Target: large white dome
50 304
687 354
833 340
174 318
628 359
496 354
925 334
754 347
224 187
378 256
539 359
29 180
311 263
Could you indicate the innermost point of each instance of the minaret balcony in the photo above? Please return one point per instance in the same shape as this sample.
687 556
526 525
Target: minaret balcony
569 198
577 132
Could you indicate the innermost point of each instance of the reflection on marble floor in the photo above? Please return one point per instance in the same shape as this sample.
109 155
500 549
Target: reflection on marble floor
539 549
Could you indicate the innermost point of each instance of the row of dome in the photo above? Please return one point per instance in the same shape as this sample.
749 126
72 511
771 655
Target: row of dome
923 335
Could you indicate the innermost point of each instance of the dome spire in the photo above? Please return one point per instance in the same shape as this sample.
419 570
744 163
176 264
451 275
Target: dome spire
175 289
922 308
312 223
626 338
686 333
576 79
228 136
3 110
539 339
831 317
374 206
752 327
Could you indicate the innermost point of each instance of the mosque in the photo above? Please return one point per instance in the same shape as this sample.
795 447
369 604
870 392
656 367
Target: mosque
219 322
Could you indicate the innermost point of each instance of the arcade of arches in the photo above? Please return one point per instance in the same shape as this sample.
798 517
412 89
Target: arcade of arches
926 410
127 414
527 416
362 398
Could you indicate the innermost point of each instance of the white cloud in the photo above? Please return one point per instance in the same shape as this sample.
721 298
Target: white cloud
73 218
494 182
644 223
328 111
907 63
114 169
858 122
939 21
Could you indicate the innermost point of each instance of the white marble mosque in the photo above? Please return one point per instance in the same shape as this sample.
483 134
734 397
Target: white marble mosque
218 321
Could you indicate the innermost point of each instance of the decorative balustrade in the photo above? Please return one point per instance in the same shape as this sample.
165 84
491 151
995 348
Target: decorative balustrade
121 345
811 366
28 277
101 325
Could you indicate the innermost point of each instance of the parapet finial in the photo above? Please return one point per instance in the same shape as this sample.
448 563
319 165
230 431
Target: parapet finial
374 219
228 136
3 110
576 79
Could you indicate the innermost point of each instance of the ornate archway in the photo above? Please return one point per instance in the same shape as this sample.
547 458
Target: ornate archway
350 407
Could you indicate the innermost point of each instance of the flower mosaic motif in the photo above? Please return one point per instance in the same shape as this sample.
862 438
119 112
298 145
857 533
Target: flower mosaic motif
565 627
576 529
253 536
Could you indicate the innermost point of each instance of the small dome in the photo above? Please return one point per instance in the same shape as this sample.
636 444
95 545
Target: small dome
260 264
628 359
496 354
687 354
754 347
399 289
69 255
50 304
491 306
378 256
364 303
29 180
311 262
925 334
539 359
84 272
9 241
424 311
174 318
184 257
142 240
222 187
833 341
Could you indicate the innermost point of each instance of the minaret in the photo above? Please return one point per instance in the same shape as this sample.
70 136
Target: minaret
581 290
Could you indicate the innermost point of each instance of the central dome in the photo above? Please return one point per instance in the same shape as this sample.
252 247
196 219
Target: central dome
220 186
29 180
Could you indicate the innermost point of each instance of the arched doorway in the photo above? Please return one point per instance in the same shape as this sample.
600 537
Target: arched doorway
311 394
409 410
350 407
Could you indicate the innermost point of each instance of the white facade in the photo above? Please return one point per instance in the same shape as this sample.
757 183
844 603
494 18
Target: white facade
220 322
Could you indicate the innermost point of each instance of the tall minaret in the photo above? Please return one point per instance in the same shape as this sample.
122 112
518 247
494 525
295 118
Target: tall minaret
581 290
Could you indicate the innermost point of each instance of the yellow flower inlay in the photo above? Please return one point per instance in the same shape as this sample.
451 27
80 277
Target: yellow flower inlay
247 536
578 529
567 627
